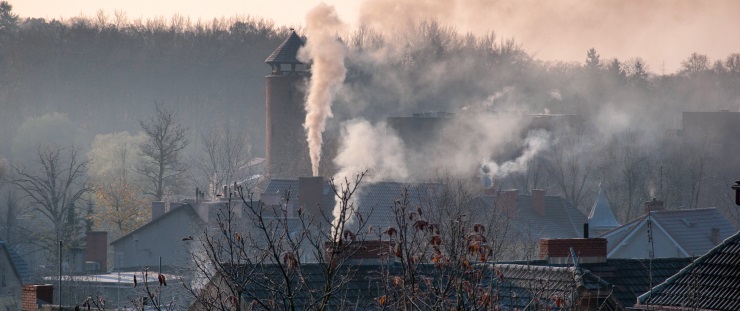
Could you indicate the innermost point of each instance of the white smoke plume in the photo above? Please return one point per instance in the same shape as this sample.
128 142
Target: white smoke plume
536 142
326 55
372 148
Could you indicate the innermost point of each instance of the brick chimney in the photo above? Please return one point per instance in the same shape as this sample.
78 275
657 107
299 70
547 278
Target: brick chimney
97 249
557 251
33 296
508 201
157 209
311 195
653 206
366 252
538 201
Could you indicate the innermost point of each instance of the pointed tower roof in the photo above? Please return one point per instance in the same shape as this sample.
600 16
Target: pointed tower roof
287 52
601 216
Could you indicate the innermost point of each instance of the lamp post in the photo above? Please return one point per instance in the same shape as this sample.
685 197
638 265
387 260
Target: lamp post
736 187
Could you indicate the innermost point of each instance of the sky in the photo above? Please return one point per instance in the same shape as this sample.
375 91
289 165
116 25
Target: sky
662 32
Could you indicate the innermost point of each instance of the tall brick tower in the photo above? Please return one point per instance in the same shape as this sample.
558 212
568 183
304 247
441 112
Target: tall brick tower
287 149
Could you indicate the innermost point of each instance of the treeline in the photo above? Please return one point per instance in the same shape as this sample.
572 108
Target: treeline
107 72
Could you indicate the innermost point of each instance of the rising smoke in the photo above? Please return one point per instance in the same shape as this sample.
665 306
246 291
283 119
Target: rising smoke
326 55
536 142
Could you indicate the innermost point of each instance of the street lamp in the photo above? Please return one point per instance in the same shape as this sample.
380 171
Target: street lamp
736 187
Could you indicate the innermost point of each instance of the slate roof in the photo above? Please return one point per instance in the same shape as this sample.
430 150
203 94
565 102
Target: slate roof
287 52
602 216
561 219
691 228
629 278
19 265
518 285
711 282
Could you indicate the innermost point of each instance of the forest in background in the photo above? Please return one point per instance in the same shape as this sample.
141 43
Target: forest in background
104 74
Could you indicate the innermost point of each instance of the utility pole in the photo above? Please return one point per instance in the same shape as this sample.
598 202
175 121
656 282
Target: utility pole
60 274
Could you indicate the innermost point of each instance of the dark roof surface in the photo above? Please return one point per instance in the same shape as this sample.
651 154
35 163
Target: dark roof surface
287 52
711 282
19 265
561 219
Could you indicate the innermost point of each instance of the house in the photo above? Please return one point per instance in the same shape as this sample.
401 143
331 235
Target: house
661 233
711 283
13 274
166 239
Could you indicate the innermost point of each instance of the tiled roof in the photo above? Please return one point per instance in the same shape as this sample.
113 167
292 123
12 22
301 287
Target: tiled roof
711 282
519 286
287 52
691 228
280 186
377 200
601 216
632 277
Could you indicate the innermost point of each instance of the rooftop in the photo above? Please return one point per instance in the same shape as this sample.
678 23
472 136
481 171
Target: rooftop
287 52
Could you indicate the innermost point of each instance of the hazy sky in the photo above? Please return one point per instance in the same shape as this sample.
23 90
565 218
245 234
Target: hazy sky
663 32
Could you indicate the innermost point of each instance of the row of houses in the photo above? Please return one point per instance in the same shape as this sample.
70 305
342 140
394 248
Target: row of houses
636 256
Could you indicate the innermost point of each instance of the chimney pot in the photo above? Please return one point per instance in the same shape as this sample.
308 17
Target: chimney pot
653 206
585 230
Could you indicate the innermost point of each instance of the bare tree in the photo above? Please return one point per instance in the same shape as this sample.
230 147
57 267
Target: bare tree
223 158
54 189
265 259
166 140
570 165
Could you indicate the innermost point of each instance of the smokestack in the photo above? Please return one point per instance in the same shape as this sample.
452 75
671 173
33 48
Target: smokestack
653 206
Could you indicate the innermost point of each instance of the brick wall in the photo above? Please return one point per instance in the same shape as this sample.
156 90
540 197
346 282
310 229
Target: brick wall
587 250
32 293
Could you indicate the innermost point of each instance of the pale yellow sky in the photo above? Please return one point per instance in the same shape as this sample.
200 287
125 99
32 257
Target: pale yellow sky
662 32
283 12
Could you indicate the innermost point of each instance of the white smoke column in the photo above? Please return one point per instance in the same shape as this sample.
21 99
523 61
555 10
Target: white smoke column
326 55
536 142
372 148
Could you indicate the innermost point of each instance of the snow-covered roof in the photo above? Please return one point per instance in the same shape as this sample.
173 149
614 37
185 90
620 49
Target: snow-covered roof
601 216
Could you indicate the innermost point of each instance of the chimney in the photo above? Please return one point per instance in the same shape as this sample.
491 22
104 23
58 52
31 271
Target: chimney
585 230
715 236
364 252
33 296
557 251
538 201
653 206
97 249
157 209
508 201
311 194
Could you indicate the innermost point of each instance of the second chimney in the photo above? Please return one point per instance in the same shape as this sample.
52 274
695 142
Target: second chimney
157 209
538 201
653 206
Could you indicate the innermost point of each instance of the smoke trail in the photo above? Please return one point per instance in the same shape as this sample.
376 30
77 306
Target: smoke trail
326 55
372 148
536 142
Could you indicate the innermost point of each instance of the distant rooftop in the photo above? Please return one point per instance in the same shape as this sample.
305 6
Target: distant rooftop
287 52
